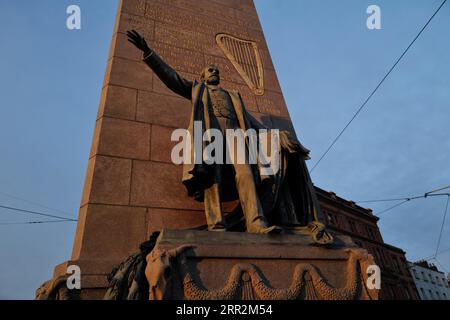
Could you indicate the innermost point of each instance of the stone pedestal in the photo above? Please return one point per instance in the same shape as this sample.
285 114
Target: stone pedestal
198 265
94 275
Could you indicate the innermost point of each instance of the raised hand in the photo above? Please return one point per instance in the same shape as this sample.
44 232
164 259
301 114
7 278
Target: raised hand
135 38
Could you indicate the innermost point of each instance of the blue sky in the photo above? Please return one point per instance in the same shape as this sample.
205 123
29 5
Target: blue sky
327 62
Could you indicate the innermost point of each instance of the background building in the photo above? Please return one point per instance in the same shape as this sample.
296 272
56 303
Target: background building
431 283
345 217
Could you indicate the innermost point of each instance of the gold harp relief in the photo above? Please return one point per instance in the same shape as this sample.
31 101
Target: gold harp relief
245 57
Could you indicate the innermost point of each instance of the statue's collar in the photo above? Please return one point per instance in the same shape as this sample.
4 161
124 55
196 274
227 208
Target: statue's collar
213 87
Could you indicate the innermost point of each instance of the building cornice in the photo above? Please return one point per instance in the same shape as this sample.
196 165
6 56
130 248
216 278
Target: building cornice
348 206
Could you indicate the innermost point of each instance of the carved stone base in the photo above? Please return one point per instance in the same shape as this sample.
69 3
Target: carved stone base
94 281
199 265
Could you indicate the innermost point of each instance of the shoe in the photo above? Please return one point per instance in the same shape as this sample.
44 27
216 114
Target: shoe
268 230
218 229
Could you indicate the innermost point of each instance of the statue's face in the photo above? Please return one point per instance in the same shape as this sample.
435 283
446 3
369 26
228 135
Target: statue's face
211 75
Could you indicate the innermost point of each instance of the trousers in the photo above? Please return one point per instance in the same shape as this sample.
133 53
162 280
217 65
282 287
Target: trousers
245 185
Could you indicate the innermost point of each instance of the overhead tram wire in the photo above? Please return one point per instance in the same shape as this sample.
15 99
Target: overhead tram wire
440 189
393 207
406 199
442 225
442 267
376 88
34 222
434 257
426 195
438 254
32 202
37 213
388 200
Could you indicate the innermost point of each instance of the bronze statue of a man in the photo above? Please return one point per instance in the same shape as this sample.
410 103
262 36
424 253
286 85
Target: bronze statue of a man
258 196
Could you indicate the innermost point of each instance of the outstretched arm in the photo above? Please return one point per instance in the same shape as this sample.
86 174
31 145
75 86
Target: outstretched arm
167 74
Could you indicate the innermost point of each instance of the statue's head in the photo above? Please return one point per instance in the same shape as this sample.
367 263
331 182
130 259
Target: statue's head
211 75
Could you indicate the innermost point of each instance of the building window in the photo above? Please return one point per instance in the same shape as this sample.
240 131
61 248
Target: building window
395 262
377 256
415 274
424 296
431 278
399 265
331 219
423 277
431 294
370 232
391 292
380 254
408 296
352 226
438 295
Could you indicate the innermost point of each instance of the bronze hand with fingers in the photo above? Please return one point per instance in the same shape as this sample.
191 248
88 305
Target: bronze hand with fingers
138 41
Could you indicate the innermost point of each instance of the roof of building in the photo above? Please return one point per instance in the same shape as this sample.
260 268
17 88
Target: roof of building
425 264
351 205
